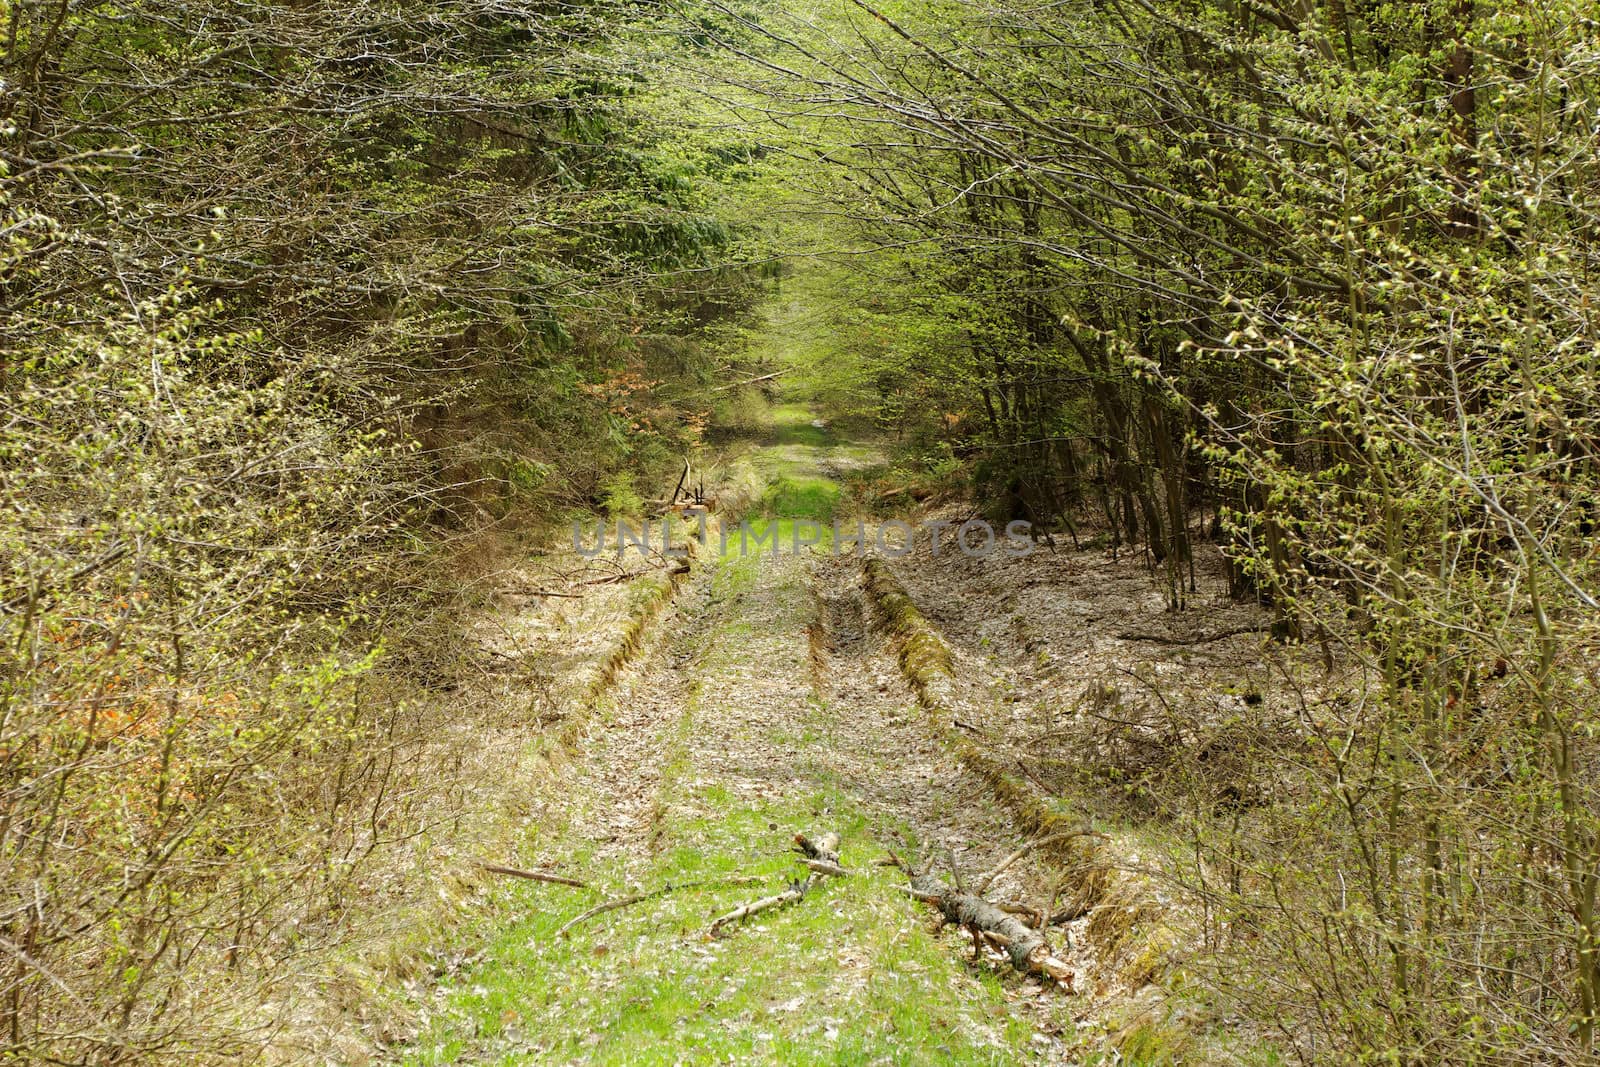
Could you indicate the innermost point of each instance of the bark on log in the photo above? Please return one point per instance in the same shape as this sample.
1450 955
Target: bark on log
1026 946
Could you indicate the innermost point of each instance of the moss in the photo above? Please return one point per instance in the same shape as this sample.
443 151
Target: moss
652 595
1152 1043
927 663
1153 955
923 653
1126 923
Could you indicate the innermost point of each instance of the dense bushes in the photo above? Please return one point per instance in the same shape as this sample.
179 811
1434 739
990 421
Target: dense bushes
291 296
1323 272
293 292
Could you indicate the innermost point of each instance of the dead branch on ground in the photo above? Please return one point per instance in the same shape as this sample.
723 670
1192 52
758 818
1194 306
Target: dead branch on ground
639 898
820 856
535 876
988 922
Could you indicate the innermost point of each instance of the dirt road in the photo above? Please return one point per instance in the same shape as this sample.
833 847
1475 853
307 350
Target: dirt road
764 705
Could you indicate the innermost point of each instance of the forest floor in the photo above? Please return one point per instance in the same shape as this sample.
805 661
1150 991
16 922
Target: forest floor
762 702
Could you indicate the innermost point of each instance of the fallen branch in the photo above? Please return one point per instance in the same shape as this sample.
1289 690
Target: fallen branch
987 922
534 876
1069 914
1032 915
1038 842
750 381
613 579
639 898
1034 778
923 895
682 479
825 847
824 867
796 890
821 856
1201 638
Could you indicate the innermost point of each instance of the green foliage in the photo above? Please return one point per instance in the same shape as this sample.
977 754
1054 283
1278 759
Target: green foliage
1324 272
296 297
295 293
619 497
745 412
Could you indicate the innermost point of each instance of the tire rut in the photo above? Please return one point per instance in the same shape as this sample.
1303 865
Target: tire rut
770 704
771 692
894 763
623 756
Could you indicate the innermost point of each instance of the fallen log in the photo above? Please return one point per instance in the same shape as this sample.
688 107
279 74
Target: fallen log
751 381
1202 637
986 922
824 867
821 857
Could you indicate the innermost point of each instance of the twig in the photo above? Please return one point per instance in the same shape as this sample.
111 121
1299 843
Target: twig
639 898
536 876
1034 778
997 940
1032 915
924 895
893 860
613 579
955 872
750 381
988 879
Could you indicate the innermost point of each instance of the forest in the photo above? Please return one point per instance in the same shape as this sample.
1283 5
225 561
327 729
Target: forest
332 333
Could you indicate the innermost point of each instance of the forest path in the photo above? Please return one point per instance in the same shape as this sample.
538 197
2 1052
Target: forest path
770 707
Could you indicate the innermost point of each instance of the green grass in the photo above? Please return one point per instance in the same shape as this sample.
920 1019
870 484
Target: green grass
848 975
762 532
792 497
792 425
